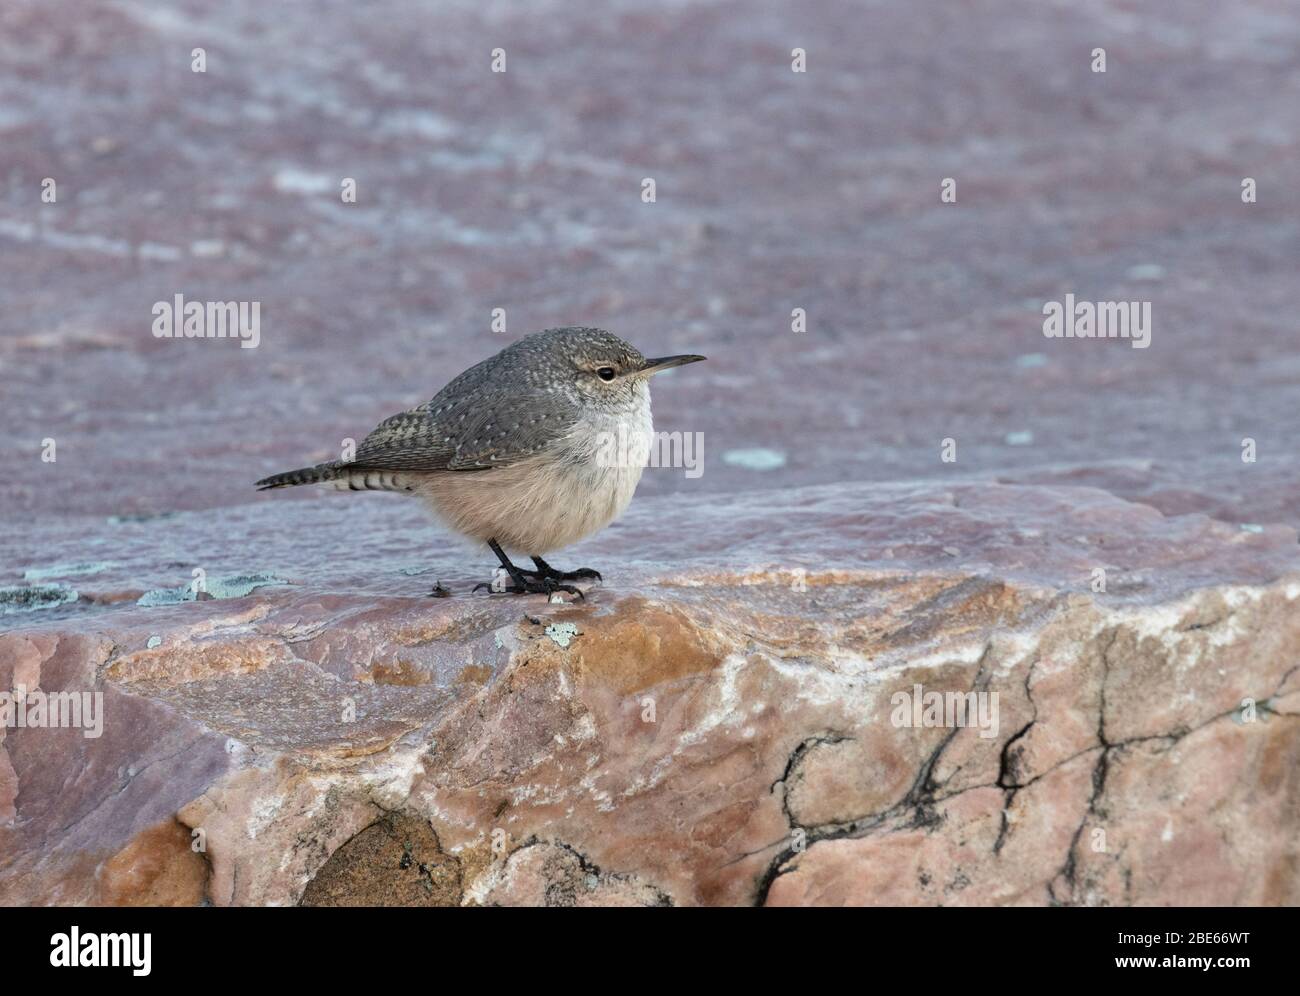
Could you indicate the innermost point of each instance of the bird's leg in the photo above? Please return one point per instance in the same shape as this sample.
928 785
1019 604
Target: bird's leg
527 582
545 570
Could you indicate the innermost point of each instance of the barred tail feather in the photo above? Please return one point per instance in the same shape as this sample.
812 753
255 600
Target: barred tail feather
367 479
304 475
343 476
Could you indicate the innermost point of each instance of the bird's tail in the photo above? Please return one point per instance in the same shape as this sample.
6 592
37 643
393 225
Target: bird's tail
305 475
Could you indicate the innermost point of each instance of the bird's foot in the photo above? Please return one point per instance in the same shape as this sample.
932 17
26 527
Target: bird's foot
525 585
546 580
545 570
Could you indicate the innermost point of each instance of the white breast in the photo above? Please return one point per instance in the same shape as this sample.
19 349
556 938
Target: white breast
549 501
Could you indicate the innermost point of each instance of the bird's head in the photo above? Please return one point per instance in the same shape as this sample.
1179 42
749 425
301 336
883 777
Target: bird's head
605 371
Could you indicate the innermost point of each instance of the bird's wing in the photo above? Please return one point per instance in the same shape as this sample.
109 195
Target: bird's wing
478 430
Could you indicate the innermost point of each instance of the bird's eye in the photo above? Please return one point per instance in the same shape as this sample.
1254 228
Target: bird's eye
606 374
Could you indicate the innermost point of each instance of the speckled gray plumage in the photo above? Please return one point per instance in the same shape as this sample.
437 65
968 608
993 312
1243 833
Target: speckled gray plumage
529 451
509 406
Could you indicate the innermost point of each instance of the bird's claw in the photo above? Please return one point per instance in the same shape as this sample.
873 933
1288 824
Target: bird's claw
532 586
581 574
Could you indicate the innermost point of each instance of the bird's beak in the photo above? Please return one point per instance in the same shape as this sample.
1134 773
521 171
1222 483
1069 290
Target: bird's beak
667 362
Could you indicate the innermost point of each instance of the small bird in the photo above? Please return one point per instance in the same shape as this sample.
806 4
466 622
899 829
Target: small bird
530 450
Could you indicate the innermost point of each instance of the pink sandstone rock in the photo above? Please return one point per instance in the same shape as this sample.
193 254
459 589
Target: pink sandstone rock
723 730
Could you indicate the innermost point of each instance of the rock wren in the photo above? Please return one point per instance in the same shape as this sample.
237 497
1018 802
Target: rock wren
515 451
